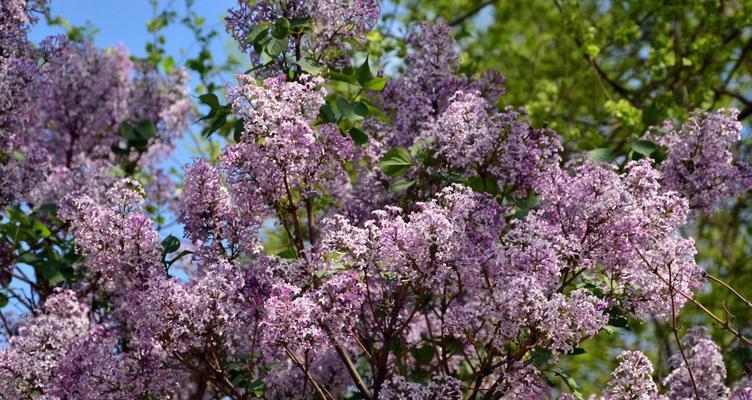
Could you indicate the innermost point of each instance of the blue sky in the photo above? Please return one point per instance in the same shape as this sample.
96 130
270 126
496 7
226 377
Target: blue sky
124 21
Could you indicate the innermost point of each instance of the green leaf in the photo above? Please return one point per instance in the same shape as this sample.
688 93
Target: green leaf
4 300
258 388
343 77
480 185
602 154
299 22
276 46
288 254
281 28
259 32
170 244
49 208
18 156
51 273
396 162
423 355
40 229
309 66
571 382
401 185
376 84
650 114
359 137
577 351
179 256
344 107
327 113
616 318
360 108
127 131
238 133
219 121
644 147
146 130
210 99
363 73
540 356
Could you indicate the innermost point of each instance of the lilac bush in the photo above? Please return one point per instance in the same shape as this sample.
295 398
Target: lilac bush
426 243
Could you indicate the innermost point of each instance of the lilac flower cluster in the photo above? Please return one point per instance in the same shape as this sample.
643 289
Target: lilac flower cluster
69 102
440 387
706 365
283 160
101 231
697 372
632 379
33 356
700 164
474 138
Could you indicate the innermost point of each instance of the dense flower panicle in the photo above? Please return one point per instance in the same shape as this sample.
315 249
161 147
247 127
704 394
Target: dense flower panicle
23 160
622 225
290 321
568 320
705 362
632 379
85 100
281 153
475 138
161 99
286 380
96 368
15 18
436 278
206 206
700 163
668 273
339 300
32 357
465 132
742 394
433 245
118 241
429 82
216 308
276 105
335 25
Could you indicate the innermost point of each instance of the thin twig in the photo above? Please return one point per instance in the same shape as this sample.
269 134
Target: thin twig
675 330
727 286
471 12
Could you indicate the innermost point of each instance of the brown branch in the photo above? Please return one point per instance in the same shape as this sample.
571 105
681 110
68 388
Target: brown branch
351 369
728 287
723 323
471 13
308 376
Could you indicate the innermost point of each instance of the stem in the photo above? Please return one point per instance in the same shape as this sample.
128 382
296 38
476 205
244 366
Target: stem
727 286
307 375
675 330
351 369
311 222
723 323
